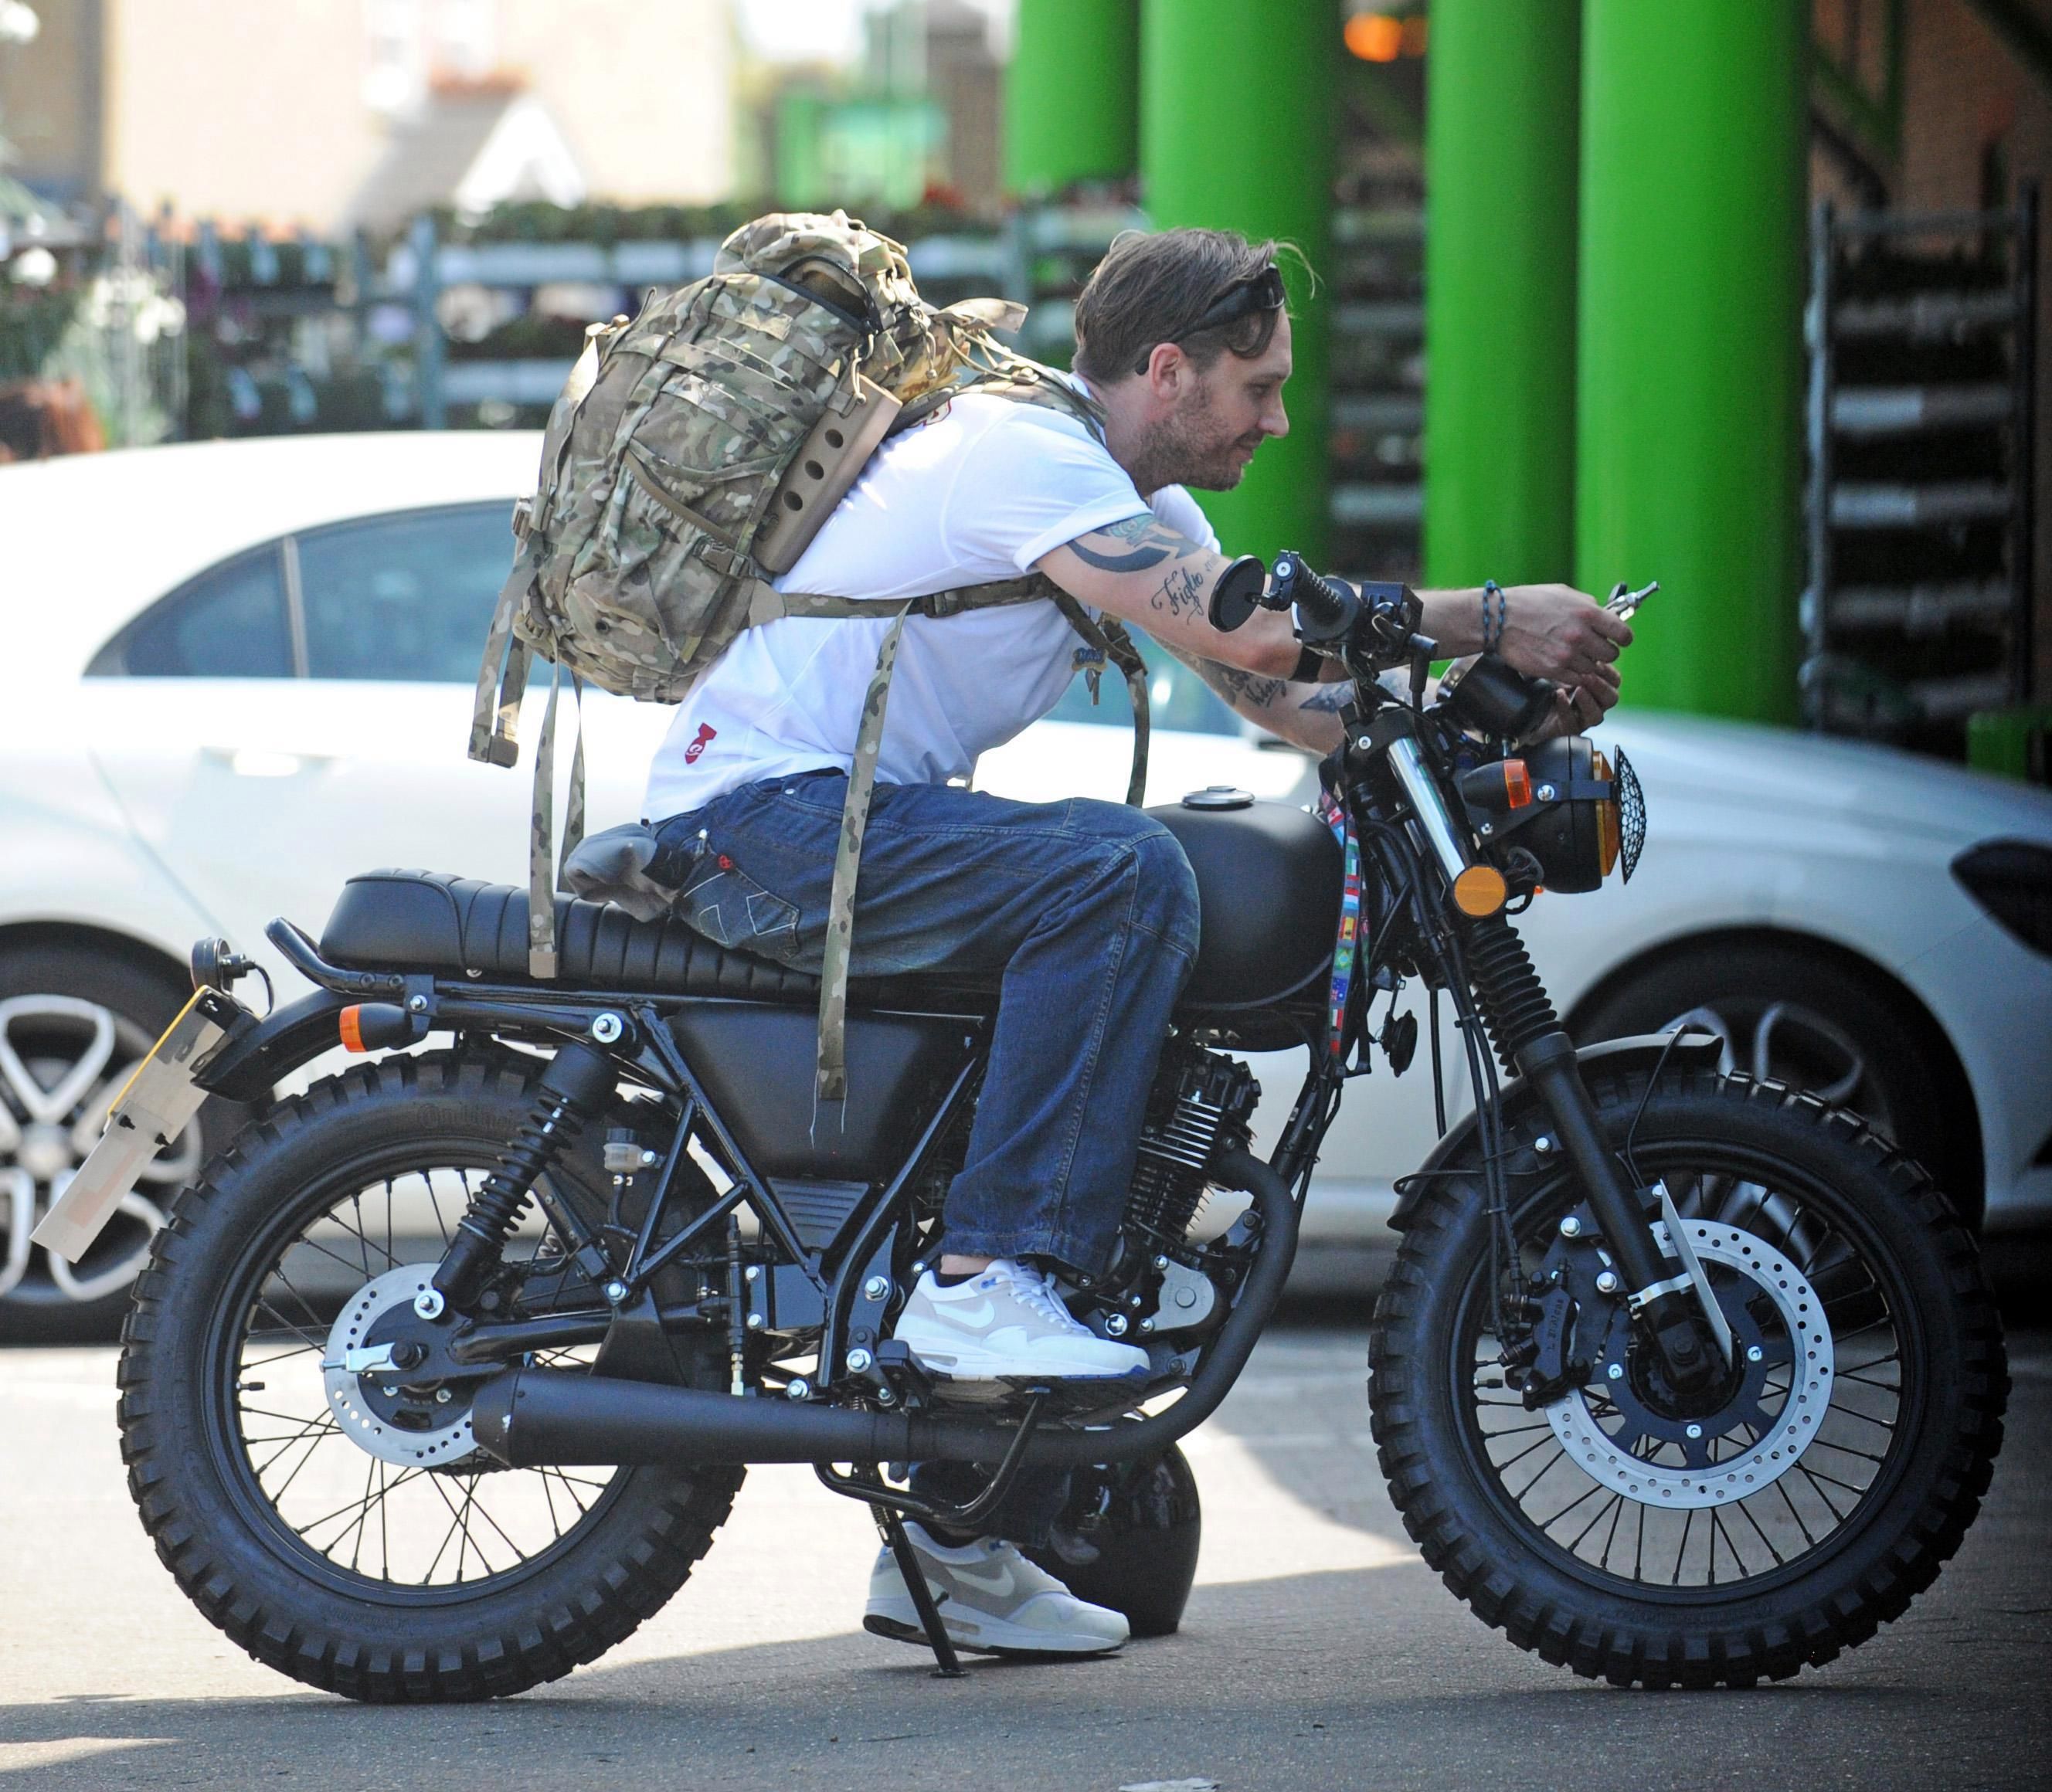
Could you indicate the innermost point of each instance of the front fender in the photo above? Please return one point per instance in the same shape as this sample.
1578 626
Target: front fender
1696 1049
254 1059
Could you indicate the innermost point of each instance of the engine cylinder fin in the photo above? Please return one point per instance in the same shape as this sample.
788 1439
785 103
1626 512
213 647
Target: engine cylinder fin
1201 1103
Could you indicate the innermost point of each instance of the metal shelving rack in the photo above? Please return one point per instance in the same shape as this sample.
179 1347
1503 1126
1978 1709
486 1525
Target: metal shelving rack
1922 337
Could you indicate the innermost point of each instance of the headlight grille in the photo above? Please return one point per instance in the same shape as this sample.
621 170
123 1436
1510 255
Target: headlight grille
1631 814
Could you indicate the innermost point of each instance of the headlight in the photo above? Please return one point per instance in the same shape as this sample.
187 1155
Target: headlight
2012 880
1562 817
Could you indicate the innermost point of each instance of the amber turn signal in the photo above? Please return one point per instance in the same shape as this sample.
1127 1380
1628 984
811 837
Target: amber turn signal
373 1026
1480 890
1608 828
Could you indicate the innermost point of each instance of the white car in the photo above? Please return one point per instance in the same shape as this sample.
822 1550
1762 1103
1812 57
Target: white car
238 672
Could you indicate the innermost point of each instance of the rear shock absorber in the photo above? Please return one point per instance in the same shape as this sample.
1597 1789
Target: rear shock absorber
1515 1006
575 1086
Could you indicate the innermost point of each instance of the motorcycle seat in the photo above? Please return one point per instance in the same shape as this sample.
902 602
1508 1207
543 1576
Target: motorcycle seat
450 926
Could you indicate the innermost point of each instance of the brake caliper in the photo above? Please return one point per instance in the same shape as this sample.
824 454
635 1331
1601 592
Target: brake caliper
1567 1312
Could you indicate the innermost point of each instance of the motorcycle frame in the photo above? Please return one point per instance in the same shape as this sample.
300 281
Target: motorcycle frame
879 1236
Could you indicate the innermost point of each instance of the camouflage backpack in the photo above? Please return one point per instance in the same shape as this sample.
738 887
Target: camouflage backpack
693 455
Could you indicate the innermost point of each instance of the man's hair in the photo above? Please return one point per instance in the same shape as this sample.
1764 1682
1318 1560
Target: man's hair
1152 287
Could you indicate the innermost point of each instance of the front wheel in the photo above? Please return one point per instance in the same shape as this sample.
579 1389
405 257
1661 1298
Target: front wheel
322 1505
1621 1529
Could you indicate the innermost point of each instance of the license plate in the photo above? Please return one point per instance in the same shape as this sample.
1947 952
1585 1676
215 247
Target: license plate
156 1105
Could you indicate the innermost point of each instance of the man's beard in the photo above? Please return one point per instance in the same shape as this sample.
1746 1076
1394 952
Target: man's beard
1189 448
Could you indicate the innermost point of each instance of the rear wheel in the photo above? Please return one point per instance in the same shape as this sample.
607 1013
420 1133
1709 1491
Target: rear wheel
322 1505
1623 1531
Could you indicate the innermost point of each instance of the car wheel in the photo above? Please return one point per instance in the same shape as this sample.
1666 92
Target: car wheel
1794 1017
73 1023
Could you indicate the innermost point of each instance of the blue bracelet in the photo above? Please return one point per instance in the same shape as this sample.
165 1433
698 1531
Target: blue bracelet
1492 634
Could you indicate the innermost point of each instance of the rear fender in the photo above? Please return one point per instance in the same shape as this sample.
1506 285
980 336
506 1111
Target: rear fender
1698 1051
255 1058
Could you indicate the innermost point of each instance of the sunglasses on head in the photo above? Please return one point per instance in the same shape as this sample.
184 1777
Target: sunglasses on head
1263 293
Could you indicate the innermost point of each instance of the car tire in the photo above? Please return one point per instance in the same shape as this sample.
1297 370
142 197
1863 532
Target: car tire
1806 1020
74 1023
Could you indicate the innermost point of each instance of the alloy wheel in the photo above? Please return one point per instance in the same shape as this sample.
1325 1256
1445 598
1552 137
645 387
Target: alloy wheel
63 1061
1792 1043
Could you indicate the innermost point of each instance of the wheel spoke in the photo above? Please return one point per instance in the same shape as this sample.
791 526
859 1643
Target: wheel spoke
1533 1481
1553 1469
488 1524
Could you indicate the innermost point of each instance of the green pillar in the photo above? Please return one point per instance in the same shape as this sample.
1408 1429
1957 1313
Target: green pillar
1500 172
1071 93
1690 365
1236 133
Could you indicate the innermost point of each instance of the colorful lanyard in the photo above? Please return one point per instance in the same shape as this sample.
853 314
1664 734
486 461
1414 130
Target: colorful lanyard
1347 949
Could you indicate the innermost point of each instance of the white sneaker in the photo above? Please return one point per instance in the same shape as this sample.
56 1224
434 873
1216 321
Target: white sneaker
1006 1323
991 1599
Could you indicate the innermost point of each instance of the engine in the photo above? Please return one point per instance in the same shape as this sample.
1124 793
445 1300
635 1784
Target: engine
1199 1107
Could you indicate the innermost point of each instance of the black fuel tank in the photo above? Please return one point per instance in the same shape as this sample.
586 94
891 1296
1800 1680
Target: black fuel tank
1268 878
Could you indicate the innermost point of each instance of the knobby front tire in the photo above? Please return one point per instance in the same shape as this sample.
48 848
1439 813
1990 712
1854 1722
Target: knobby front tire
1792 1562
223 1412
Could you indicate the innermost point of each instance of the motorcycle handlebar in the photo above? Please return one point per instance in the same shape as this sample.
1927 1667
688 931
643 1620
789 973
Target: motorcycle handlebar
1323 612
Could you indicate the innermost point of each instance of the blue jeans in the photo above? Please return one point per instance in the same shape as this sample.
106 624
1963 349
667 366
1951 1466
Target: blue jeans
1087 909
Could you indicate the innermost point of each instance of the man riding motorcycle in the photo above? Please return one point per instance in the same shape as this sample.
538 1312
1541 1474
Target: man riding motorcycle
1087 909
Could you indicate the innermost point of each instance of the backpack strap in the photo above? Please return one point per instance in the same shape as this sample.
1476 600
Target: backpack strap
541 866
1108 637
830 1083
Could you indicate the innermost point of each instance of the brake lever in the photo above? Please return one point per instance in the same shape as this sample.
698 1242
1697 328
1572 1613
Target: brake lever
1622 603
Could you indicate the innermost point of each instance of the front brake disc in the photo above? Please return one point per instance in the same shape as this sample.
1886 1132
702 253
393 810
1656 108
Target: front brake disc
1783 1390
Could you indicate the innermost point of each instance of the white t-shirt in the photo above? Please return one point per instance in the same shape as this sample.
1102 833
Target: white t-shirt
973 496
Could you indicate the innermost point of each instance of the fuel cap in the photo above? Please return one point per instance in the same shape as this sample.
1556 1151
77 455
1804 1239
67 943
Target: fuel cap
1219 796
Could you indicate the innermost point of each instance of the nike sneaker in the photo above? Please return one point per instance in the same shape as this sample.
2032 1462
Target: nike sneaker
1006 1324
991 1600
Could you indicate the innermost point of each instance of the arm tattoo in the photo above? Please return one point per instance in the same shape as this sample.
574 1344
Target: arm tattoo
1182 592
1261 700
1238 686
1330 698
1151 545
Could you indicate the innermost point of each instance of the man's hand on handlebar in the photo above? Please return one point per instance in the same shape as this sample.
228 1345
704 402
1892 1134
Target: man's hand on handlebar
1554 632
1551 632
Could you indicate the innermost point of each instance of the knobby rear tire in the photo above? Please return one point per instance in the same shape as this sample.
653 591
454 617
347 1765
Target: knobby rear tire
612 1570
1834 1598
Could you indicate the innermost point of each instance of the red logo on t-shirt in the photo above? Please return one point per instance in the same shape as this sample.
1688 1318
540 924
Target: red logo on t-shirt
705 732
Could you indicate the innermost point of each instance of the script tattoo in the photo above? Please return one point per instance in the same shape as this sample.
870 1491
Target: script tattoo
1151 545
1181 593
1238 686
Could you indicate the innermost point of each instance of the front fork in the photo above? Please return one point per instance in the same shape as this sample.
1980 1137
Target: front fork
1665 1304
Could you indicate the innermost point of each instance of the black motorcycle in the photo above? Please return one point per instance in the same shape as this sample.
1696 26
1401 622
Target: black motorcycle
443 1377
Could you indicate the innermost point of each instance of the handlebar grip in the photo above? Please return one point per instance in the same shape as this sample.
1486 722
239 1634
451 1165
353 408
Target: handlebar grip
1318 604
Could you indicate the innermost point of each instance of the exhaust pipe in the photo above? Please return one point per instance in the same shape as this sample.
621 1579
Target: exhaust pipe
534 1417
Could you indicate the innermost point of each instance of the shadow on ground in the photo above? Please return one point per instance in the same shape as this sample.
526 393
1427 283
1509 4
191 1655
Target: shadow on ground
1355 1681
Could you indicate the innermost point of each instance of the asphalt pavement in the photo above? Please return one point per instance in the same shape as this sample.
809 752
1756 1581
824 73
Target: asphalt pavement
1318 1651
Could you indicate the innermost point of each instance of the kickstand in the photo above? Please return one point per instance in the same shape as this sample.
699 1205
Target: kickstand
947 1664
